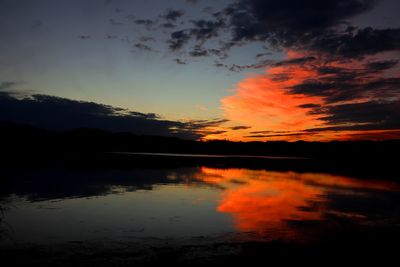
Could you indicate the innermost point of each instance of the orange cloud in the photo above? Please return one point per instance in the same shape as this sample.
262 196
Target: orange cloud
264 102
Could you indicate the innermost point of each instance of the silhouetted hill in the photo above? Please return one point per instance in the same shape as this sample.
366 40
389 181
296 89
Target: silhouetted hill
16 138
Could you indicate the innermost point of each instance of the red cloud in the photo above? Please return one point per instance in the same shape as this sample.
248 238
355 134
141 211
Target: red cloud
267 102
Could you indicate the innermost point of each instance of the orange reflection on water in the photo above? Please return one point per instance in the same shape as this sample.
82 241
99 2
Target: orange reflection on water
263 200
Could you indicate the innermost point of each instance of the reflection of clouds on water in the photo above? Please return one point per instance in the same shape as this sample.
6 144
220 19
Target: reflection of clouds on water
273 200
59 183
190 201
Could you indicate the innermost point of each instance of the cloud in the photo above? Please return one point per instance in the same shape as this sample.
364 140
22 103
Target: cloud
351 80
199 52
262 101
296 61
201 31
168 25
144 47
148 23
206 29
366 41
237 68
111 36
7 85
61 114
311 25
370 115
263 54
84 37
320 27
172 14
180 61
336 77
147 39
259 19
319 100
178 39
240 127
381 65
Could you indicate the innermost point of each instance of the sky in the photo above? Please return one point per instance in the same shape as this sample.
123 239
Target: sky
241 70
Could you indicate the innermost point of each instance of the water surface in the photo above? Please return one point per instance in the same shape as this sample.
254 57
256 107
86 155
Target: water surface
53 205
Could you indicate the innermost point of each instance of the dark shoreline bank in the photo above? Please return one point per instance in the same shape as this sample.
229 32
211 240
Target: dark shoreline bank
366 168
357 246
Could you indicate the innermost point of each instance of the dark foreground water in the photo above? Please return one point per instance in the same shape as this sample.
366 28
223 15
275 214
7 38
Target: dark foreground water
192 205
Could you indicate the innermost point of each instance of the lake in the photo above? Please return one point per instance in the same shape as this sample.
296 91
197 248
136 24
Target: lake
63 204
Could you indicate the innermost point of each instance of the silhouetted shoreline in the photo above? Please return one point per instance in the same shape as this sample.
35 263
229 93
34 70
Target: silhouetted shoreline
24 145
351 245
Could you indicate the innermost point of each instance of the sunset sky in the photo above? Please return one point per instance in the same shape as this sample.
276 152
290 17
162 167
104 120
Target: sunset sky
204 69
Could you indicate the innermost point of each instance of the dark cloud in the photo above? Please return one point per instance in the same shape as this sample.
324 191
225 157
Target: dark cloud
333 92
207 123
367 41
263 54
347 82
381 65
168 25
172 15
198 52
310 106
57 113
267 63
218 52
240 127
295 61
315 88
145 22
262 132
261 19
178 40
201 31
147 39
206 29
269 132
320 26
7 85
208 9
277 135
264 63
180 61
144 47
366 115
111 36
237 68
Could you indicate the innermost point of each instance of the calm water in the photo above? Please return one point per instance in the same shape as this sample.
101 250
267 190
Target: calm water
62 205
206 155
